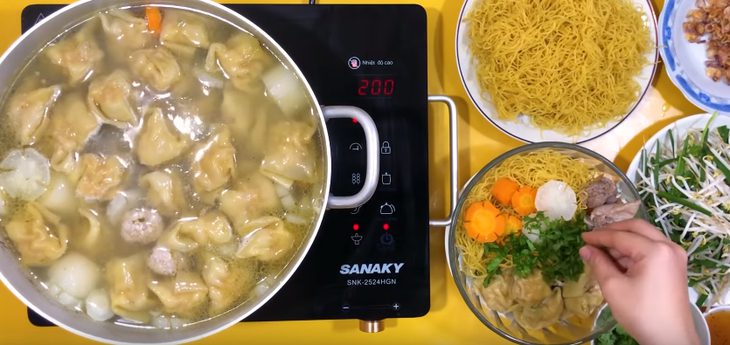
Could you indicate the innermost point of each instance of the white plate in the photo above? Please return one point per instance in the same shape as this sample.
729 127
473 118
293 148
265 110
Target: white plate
521 128
679 127
685 61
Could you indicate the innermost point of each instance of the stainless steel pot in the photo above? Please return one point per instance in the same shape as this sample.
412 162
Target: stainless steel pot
16 277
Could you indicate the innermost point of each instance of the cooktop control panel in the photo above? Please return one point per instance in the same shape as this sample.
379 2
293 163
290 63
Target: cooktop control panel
370 262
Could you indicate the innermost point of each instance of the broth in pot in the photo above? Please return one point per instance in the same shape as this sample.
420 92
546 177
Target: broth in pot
158 167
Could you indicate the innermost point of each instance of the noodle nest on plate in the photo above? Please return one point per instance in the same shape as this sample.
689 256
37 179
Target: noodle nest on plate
567 64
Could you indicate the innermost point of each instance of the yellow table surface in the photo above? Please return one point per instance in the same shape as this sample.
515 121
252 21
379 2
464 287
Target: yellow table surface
449 321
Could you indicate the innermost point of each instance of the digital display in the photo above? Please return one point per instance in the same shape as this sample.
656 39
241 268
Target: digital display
376 87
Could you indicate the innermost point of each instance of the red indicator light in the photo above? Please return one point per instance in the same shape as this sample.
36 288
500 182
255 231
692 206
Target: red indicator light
356 227
386 226
354 120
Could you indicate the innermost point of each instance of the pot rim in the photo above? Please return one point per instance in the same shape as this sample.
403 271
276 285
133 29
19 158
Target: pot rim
14 60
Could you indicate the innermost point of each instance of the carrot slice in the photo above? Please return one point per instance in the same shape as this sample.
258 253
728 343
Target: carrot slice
523 201
503 189
483 222
154 19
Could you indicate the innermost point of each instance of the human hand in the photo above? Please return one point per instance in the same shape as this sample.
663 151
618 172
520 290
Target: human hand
643 276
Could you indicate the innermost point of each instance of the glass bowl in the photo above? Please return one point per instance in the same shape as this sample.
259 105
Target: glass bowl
567 331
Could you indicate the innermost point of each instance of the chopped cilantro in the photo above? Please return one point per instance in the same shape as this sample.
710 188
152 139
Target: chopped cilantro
556 253
617 336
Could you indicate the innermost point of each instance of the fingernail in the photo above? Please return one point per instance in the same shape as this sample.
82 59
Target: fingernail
585 253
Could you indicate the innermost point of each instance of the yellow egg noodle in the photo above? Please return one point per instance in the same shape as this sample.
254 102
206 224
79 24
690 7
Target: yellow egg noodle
531 169
568 64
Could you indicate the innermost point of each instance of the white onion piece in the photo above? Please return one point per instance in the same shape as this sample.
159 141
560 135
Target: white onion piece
74 274
177 323
261 288
69 301
295 219
288 202
208 80
25 174
98 306
60 196
286 90
281 180
3 204
162 321
281 191
557 200
121 203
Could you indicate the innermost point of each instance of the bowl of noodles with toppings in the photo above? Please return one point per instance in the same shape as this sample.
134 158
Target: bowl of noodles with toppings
515 235
565 70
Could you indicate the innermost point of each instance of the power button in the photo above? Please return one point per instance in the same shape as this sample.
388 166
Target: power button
387 239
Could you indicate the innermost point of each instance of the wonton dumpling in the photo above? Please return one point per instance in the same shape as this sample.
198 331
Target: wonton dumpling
165 191
156 67
25 174
227 283
267 242
109 98
290 154
247 115
159 141
38 235
71 124
77 54
182 32
183 295
242 58
27 112
101 177
583 306
576 288
124 31
583 296
498 294
187 235
214 162
531 289
92 235
249 198
127 279
542 314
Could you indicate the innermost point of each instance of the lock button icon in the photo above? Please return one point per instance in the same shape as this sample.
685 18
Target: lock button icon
385 148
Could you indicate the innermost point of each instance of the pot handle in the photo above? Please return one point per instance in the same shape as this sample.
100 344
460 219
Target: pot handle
453 156
372 153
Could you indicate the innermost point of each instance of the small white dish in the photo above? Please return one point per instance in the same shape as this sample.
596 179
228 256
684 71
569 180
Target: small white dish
521 128
713 310
678 128
685 61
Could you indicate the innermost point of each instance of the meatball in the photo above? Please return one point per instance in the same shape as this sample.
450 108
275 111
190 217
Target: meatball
162 262
141 225
601 191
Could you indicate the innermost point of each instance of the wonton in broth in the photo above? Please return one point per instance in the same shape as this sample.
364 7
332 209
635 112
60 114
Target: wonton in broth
156 173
